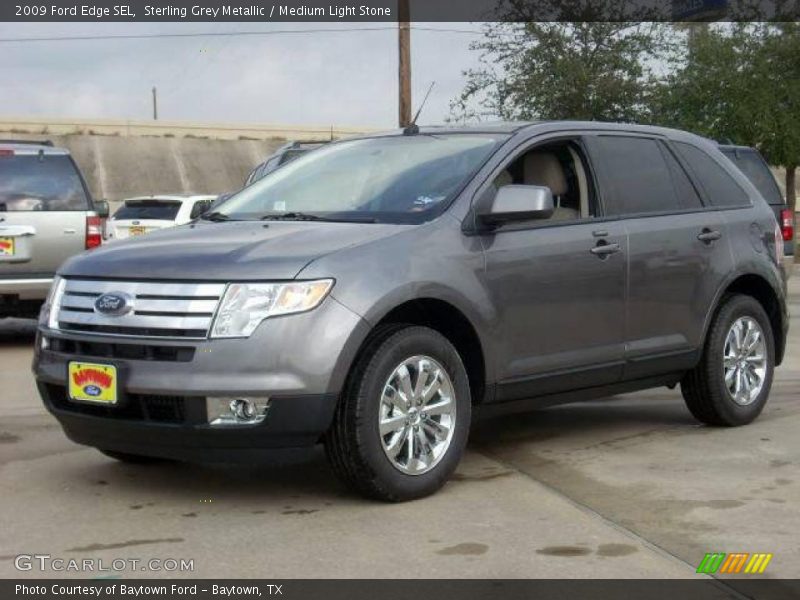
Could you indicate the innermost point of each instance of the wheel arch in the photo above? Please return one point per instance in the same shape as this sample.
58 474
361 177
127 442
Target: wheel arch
446 317
758 287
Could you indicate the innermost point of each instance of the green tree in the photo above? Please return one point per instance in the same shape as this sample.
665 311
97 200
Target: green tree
563 70
740 82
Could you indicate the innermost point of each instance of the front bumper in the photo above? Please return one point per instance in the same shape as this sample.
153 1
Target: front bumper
299 361
291 422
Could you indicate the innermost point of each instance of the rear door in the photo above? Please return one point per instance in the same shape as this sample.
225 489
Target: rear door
43 206
143 215
678 250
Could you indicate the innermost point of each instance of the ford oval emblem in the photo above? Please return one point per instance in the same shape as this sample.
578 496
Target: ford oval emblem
114 304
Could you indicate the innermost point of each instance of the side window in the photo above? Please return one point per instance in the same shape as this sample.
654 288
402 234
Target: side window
200 207
637 175
684 188
720 187
559 166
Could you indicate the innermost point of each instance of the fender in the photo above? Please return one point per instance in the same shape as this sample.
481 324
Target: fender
756 270
483 323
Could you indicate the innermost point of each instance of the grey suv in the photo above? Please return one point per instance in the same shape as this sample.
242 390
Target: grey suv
46 216
375 294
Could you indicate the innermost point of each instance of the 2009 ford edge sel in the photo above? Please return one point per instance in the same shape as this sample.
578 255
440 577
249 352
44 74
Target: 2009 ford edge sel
376 293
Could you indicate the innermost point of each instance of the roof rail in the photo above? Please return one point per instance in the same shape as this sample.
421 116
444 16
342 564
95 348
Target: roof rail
31 142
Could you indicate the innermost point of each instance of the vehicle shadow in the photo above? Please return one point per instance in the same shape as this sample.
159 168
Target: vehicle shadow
285 478
301 479
17 331
603 418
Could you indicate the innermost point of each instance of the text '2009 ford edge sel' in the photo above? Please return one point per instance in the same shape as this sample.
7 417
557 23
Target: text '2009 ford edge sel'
375 293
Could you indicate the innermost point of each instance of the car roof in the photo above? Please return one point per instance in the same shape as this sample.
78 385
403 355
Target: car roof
174 197
32 147
524 127
737 148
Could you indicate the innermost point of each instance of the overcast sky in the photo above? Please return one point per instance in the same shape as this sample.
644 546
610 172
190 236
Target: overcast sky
331 78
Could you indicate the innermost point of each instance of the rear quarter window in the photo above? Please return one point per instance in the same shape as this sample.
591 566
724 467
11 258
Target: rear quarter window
720 188
47 182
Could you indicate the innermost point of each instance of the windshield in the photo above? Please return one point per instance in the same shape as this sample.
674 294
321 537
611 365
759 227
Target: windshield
756 170
161 210
30 182
394 179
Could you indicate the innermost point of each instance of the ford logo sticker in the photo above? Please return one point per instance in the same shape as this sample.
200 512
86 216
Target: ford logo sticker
114 304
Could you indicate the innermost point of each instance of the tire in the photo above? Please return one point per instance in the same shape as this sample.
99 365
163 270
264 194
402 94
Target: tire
704 388
132 459
360 455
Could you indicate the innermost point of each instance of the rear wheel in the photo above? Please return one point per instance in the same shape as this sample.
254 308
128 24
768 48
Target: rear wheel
731 384
402 422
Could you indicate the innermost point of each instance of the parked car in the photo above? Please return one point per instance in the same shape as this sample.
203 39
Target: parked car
283 155
46 216
376 293
138 216
752 164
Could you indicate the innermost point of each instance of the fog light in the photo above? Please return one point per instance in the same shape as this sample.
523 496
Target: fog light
236 411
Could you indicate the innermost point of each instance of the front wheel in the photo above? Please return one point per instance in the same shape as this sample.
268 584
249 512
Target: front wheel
731 384
402 422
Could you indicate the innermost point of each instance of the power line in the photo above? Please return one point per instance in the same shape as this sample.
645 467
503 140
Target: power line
148 36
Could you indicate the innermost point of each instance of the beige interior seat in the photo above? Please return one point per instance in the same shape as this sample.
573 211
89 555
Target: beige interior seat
544 169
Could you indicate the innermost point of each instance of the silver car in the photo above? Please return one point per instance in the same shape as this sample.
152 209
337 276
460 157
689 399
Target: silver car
46 216
376 293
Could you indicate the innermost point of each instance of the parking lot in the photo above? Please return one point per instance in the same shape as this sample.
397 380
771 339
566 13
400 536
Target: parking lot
629 486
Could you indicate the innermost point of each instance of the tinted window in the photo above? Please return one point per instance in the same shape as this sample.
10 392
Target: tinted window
199 208
756 170
686 193
32 183
148 209
720 187
637 176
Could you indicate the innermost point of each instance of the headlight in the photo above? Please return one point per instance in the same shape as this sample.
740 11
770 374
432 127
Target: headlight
53 301
245 305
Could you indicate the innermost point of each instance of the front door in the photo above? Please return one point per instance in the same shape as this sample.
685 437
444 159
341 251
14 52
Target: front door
559 284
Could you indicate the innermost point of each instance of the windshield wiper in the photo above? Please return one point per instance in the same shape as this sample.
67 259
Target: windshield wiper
301 216
215 216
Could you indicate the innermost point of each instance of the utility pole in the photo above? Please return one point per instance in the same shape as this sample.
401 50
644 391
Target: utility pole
155 104
404 47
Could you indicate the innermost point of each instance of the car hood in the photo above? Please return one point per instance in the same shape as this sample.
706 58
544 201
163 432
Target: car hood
233 251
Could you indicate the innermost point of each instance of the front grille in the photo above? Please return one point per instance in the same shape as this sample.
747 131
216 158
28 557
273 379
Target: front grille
123 351
134 407
166 310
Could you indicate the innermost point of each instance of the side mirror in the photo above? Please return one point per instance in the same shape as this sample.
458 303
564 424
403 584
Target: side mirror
101 208
515 203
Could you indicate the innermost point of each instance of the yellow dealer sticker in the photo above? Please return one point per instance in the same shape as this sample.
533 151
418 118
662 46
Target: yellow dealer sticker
91 382
6 246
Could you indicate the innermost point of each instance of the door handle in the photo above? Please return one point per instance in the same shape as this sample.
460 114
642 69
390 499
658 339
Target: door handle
602 250
708 236
70 231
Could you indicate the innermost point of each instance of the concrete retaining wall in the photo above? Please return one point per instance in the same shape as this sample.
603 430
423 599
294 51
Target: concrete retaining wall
121 159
